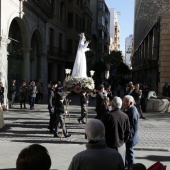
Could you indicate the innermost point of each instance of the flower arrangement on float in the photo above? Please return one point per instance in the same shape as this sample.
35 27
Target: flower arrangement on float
78 85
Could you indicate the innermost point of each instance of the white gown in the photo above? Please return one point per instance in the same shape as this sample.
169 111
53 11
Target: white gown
80 67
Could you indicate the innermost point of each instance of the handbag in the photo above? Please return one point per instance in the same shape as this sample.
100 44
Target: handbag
157 166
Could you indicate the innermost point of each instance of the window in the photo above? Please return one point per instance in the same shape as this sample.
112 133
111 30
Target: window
60 41
100 5
80 25
76 45
77 23
101 34
99 19
51 40
61 14
88 26
70 20
51 36
84 23
70 46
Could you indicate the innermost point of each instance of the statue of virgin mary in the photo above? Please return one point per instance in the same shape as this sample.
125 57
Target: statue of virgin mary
80 66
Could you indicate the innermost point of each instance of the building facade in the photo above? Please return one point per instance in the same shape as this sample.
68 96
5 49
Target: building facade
151 58
79 20
114 31
100 27
128 50
39 38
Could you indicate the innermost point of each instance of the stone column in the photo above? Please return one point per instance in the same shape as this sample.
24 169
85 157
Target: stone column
42 66
4 66
43 74
26 62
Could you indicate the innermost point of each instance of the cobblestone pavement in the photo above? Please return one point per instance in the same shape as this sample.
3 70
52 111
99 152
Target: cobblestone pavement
31 126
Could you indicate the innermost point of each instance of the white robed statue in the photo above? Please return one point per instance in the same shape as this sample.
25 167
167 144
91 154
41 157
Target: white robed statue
80 67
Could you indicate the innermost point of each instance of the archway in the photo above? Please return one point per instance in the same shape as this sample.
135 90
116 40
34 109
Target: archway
36 56
15 57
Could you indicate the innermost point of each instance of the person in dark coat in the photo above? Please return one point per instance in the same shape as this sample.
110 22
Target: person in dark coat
97 156
145 92
59 112
13 92
1 93
99 100
23 94
51 107
117 127
165 90
109 92
137 94
105 106
32 94
83 102
132 112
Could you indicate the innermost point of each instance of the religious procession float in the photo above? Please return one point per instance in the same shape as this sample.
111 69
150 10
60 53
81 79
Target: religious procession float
78 81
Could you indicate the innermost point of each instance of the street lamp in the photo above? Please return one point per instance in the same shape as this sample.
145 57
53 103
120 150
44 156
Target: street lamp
67 71
106 74
92 73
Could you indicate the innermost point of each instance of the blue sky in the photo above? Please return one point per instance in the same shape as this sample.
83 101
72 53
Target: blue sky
125 19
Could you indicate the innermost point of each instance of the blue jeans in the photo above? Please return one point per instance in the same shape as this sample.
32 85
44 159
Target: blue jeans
129 157
32 102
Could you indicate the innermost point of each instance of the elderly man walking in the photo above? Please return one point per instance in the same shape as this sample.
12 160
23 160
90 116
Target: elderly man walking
132 112
97 156
117 127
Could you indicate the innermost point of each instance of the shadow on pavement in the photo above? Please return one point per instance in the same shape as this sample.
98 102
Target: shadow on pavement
155 158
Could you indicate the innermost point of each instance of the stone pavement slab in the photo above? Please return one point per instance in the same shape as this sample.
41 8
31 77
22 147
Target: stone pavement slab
24 127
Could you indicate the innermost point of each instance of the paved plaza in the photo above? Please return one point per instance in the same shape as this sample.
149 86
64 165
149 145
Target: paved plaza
24 127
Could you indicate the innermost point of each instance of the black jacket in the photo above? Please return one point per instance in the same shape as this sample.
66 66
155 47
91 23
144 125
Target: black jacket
117 128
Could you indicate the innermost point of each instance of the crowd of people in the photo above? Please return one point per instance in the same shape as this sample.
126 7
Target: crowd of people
33 93
96 156
121 123
119 118
111 135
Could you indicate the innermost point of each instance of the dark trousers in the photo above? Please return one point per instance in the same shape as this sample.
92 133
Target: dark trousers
121 150
83 112
22 102
60 121
52 119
